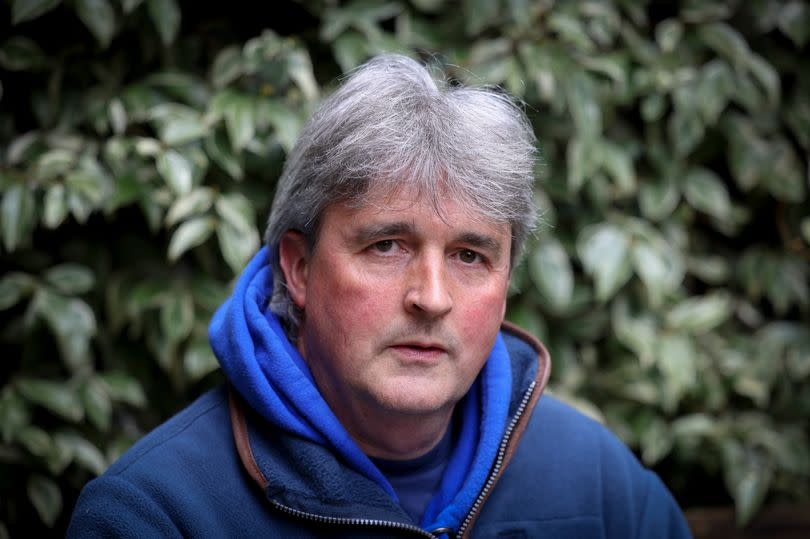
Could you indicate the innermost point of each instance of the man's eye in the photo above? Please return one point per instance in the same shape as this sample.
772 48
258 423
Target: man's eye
383 246
468 257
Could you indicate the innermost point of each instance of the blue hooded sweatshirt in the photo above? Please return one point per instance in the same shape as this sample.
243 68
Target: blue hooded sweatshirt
267 457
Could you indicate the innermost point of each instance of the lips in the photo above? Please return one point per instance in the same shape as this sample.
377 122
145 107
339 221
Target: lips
420 352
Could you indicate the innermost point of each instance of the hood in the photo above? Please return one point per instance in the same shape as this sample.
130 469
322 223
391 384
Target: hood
272 377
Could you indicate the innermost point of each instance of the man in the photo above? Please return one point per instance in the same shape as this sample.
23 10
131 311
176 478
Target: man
374 389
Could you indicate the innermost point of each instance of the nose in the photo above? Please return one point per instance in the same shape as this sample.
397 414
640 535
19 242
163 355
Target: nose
428 294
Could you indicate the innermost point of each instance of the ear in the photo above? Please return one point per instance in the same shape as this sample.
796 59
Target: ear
293 254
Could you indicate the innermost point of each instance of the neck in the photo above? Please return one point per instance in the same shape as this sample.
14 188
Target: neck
401 437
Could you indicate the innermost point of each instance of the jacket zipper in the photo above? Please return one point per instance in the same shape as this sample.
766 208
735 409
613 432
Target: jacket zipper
496 468
365 522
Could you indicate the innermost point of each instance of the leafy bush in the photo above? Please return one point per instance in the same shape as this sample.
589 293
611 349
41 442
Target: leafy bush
142 140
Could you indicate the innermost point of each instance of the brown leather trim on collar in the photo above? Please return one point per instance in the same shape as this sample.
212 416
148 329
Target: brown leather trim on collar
242 439
543 373
543 357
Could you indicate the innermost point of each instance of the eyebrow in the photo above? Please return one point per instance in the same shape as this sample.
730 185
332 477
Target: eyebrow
481 241
371 233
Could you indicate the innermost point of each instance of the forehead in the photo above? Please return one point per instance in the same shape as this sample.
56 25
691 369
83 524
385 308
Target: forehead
441 209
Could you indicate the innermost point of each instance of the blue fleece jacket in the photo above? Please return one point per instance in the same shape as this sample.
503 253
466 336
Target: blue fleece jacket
271 459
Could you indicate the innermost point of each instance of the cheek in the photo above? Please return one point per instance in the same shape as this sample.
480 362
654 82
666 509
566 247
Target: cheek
351 305
483 317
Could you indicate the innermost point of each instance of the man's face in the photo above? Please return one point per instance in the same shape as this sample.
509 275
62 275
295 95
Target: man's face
401 305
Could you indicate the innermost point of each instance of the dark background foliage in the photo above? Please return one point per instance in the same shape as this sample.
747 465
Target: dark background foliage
140 141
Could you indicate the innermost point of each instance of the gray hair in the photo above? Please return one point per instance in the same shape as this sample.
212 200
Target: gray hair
389 125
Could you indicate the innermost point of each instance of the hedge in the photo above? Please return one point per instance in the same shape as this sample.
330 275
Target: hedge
140 142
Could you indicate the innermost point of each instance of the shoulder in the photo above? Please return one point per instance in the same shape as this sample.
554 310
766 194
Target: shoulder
181 445
166 483
571 477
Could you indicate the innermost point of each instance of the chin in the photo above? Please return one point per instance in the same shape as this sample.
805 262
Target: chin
425 401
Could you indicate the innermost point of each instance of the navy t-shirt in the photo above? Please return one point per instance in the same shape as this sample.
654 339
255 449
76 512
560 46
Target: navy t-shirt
415 481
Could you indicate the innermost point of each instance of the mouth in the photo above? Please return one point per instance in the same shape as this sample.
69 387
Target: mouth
420 352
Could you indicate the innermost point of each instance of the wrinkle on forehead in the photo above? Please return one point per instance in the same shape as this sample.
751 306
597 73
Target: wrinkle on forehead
389 196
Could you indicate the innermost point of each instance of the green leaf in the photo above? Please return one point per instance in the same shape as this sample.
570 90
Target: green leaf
123 388
14 414
656 442
710 269
176 170
350 49
580 163
18 149
619 164
653 107
237 246
478 14
87 455
46 498
178 124
35 440
54 396
199 360
658 198
784 175
691 426
190 234
177 316
17 215
147 147
227 67
22 54
551 272
700 314
54 162
706 192
727 41
794 21
70 279
582 103
56 206
130 5
61 456
99 17
13 287
714 88
677 364
25 10
638 333
796 115
73 323
196 202
217 148
299 67
653 267
603 250
87 186
165 14
239 120
768 78
750 491
686 130
97 404
805 228
668 34
237 210
286 122
570 29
